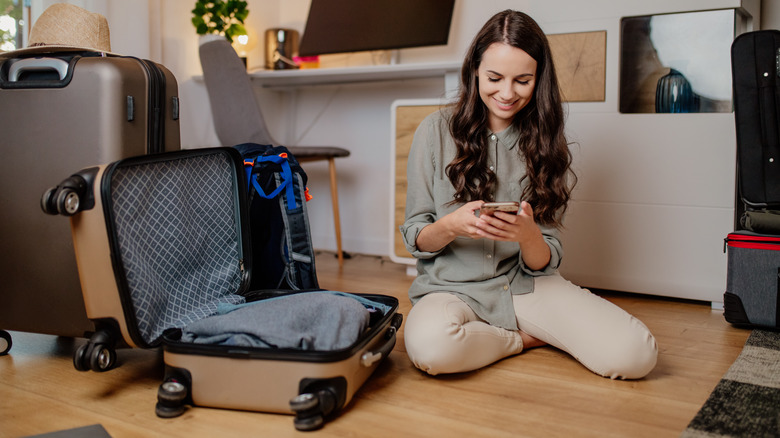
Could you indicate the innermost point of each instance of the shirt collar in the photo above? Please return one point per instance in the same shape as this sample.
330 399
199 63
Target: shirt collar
508 137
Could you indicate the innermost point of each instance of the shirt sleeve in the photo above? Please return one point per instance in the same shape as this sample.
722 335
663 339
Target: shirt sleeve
551 236
420 203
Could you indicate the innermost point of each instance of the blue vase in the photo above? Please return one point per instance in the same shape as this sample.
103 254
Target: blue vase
674 94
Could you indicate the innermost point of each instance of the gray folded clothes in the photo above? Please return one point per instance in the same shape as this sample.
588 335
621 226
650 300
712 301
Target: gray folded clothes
318 321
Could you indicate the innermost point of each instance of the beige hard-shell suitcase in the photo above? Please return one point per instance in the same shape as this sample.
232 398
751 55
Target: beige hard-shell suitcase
162 244
60 112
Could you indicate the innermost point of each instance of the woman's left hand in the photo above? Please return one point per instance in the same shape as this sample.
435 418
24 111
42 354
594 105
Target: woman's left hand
509 227
520 228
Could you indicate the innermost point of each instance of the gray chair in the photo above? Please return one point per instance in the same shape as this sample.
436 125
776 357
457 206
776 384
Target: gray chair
238 119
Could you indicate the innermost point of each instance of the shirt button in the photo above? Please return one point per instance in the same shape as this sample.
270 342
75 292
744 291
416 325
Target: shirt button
493 137
506 287
492 168
489 256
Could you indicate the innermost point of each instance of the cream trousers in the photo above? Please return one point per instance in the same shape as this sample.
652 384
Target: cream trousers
443 335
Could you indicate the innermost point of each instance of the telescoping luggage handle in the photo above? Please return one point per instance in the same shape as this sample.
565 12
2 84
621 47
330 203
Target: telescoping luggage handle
287 181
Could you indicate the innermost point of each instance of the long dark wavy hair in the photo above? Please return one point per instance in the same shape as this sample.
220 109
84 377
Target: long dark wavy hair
542 142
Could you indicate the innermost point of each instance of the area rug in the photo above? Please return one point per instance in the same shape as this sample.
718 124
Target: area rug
746 402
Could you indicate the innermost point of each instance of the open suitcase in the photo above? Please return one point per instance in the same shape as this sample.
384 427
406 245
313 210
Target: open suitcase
61 112
162 245
751 297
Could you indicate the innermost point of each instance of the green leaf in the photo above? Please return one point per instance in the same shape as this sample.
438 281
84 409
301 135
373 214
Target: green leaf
200 9
235 30
219 23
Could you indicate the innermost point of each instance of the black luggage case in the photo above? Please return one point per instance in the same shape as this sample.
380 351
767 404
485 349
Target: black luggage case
162 244
751 297
61 112
756 82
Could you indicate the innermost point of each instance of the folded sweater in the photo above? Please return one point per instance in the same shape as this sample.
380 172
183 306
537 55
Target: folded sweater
319 321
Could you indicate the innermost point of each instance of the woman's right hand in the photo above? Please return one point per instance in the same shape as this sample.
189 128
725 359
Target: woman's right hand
460 223
463 221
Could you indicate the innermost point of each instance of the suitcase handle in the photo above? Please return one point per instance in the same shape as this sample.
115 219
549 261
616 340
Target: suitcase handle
37 64
371 357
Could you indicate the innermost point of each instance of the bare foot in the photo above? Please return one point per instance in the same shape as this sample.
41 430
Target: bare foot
530 341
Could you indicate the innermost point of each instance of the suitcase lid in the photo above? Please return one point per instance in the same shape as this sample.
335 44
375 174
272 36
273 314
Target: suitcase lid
179 244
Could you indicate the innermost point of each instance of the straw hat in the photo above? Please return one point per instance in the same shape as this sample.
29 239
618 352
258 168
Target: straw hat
63 27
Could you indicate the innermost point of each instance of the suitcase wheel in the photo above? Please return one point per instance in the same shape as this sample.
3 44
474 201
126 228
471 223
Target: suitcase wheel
5 342
47 201
170 399
67 202
80 358
98 354
65 199
102 358
312 408
307 413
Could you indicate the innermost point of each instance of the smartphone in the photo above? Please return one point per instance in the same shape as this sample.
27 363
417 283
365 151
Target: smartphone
507 207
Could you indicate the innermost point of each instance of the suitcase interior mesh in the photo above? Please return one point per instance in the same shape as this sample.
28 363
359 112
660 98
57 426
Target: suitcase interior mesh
176 225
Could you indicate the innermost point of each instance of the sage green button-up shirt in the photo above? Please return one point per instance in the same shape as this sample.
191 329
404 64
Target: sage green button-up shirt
482 272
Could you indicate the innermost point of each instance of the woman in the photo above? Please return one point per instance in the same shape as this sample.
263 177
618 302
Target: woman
487 285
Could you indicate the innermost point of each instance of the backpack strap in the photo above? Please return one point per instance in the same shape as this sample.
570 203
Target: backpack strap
300 257
286 181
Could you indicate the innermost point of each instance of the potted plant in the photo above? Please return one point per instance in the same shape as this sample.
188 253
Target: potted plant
220 17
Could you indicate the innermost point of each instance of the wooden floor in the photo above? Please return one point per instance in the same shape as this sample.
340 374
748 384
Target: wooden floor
539 393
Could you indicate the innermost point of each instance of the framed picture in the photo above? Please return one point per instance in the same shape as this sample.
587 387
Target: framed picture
677 63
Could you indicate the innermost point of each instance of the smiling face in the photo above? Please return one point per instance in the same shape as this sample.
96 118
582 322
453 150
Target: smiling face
506 78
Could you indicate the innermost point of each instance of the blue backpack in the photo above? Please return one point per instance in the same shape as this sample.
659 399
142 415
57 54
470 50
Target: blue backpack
282 254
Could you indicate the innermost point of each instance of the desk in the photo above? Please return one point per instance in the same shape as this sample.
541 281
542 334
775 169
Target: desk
291 79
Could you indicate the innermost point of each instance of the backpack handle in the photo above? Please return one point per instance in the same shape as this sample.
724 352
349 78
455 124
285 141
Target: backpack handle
287 182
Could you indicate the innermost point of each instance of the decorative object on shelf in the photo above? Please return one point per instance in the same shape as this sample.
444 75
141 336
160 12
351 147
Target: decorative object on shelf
281 46
220 17
674 94
305 62
243 44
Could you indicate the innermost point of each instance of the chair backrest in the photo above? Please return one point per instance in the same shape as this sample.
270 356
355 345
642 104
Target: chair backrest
237 116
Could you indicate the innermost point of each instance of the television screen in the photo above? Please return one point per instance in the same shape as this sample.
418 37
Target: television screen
338 26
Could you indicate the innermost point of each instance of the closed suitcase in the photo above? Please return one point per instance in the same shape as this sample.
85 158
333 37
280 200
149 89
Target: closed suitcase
756 84
753 274
162 243
62 112
752 295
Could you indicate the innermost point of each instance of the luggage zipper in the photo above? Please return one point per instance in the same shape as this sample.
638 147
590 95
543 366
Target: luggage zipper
131 322
751 242
156 133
